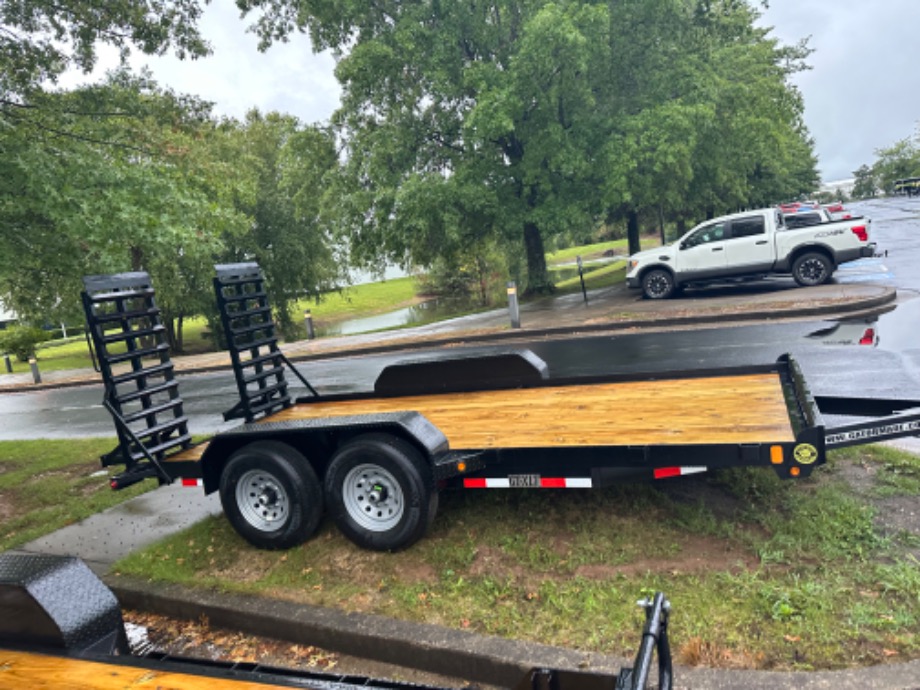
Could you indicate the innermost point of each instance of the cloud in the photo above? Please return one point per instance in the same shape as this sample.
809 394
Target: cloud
863 92
288 77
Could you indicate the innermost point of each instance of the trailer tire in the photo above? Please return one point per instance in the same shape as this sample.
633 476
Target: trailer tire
379 492
658 284
271 495
812 268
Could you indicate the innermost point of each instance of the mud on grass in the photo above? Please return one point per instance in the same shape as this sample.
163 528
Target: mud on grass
761 573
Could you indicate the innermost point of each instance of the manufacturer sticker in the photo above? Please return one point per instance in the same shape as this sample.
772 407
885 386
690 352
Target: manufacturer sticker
805 454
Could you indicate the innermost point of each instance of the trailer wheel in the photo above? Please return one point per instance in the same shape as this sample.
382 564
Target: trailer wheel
379 492
658 284
271 496
812 268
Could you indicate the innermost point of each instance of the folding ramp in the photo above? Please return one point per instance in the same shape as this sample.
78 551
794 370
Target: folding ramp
258 363
141 391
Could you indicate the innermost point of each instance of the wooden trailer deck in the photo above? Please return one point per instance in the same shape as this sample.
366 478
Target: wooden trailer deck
30 670
718 409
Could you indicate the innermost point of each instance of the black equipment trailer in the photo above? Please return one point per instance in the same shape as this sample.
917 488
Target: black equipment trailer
376 461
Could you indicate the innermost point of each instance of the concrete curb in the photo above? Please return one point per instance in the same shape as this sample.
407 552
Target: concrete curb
456 653
430 648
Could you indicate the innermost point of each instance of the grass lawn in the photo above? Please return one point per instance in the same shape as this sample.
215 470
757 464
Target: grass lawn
761 573
46 485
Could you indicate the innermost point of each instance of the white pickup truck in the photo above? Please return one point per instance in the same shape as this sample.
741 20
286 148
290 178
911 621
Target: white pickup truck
749 245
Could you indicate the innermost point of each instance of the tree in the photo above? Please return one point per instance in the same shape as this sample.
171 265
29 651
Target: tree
485 105
866 184
40 40
900 160
292 167
110 178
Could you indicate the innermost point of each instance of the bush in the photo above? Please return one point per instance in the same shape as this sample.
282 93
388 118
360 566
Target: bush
21 341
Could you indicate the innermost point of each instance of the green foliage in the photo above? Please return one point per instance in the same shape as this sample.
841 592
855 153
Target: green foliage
289 167
901 159
516 123
41 40
866 184
21 341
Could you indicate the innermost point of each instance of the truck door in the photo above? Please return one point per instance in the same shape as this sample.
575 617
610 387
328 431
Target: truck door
702 253
749 249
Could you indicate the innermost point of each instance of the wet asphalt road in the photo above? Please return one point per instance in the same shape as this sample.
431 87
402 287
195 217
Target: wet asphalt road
887 364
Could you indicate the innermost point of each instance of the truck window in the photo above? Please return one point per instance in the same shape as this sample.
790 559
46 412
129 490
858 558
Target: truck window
706 234
746 227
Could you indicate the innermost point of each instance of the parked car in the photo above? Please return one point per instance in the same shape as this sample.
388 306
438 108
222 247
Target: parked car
749 245
805 217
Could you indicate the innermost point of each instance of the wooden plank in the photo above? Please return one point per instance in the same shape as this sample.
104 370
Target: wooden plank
193 453
723 409
30 671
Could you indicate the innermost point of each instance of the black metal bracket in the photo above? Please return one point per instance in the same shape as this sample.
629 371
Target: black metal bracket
654 639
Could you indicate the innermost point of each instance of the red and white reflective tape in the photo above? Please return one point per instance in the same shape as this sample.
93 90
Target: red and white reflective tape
192 482
665 472
545 483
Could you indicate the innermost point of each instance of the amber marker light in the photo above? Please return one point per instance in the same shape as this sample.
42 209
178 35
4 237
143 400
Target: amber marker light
794 471
776 455
461 467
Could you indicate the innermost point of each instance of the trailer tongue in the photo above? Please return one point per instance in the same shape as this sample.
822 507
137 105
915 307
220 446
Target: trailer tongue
375 462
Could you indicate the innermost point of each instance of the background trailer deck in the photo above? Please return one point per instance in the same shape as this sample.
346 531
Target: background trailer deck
376 461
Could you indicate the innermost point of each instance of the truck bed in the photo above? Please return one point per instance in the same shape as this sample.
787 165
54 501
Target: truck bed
718 409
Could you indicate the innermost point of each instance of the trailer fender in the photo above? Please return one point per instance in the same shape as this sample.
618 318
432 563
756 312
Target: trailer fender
318 439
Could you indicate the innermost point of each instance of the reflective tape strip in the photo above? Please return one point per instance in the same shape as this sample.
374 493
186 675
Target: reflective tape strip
192 482
545 483
665 472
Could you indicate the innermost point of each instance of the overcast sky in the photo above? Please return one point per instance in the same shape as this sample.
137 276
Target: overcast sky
862 94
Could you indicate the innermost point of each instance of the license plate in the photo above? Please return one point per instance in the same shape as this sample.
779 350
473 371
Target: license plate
524 481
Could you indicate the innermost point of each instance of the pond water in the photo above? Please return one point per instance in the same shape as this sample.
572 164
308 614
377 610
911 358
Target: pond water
417 315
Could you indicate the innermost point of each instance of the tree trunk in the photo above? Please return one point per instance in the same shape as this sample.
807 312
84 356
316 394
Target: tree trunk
180 344
632 231
664 239
137 259
170 329
538 282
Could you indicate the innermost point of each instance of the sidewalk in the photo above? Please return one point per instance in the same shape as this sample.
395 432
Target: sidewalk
608 309
103 539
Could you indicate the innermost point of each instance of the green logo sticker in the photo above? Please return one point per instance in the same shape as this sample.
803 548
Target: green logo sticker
805 453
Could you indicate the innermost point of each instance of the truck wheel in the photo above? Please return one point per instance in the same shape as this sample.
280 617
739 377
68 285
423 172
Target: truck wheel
812 268
271 496
379 492
658 284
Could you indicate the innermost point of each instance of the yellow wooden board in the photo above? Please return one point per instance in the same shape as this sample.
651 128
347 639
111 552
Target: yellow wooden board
710 410
30 671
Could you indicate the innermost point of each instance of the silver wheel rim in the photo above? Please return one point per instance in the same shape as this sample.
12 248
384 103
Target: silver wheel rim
373 498
812 271
657 285
262 500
